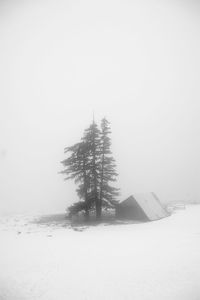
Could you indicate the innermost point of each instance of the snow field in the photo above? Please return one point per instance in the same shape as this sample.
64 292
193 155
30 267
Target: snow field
147 261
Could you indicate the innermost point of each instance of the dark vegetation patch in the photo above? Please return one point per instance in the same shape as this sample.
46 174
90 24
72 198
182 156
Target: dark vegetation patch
78 223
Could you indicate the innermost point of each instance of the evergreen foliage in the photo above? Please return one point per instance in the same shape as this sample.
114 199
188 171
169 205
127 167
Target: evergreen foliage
76 168
108 173
92 139
91 165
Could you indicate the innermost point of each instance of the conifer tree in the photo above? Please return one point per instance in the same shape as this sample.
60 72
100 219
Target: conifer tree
108 173
76 167
91 165
92 139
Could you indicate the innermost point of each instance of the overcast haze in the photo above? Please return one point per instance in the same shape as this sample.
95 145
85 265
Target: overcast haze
135 62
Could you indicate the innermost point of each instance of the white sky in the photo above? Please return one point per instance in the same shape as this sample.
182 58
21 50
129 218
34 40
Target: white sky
135 62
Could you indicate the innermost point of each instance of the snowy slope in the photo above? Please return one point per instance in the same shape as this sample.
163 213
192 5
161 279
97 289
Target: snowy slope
156 260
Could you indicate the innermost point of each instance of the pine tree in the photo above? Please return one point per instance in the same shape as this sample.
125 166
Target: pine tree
92 139
108 173
76 167
91 165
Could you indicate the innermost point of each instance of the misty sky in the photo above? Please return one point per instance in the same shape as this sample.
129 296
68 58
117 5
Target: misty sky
135 62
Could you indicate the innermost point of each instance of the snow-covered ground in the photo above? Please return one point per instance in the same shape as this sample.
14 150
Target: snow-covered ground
51 261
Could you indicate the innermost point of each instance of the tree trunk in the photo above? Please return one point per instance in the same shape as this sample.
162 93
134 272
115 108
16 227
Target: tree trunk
95 183
101 184
87 212
98 210
87 215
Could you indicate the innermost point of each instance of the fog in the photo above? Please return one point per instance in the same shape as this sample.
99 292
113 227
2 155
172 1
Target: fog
135 62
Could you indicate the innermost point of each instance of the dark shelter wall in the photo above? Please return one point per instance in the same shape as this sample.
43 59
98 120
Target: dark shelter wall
131 211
